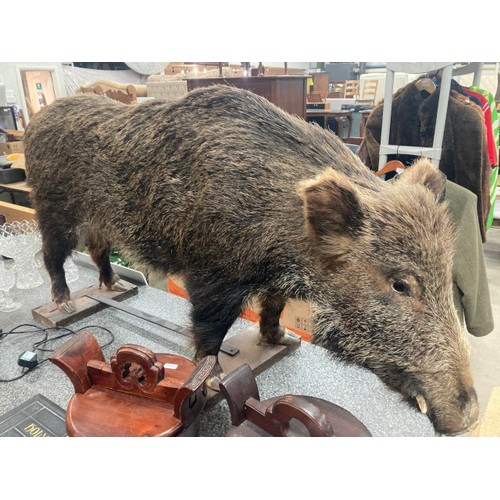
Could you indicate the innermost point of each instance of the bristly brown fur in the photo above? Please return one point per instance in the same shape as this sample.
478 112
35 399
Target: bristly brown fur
245 201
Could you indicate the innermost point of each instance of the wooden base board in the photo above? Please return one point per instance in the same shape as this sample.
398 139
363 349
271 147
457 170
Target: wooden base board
247 343
258 356
50 315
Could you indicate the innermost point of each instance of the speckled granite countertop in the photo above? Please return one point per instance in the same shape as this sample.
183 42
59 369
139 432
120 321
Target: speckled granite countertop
309 370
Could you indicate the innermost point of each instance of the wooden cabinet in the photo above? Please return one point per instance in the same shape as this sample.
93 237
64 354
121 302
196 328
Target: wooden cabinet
287 92
321 81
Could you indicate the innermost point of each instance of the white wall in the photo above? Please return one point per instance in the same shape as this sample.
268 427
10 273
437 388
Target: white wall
11 77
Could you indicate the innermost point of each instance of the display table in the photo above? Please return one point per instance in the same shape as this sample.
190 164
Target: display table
338 116
309 370
336 103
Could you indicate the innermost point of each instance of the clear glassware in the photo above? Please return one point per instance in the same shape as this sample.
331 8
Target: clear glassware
71 270
21 240
7 281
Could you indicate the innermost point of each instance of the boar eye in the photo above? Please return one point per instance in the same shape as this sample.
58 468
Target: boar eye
401 286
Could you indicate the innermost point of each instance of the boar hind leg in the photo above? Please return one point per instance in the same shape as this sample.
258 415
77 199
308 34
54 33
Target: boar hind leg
271 332
99 249
215 309
59 239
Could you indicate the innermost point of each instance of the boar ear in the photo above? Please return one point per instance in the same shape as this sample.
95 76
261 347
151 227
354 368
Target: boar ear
422 171
332 212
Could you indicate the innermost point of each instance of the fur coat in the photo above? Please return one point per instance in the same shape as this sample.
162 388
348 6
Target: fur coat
464 158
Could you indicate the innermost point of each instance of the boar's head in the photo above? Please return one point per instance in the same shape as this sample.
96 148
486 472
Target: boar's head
385 256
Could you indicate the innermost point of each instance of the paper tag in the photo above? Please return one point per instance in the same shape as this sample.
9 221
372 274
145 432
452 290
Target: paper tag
170 366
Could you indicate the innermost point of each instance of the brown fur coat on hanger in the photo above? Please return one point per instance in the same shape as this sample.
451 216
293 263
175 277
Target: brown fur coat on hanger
464 157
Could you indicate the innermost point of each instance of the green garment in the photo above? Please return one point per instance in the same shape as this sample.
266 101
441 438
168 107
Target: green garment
471 292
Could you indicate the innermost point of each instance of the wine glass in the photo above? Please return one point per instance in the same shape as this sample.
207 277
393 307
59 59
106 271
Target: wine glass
7 281
71 270
21 240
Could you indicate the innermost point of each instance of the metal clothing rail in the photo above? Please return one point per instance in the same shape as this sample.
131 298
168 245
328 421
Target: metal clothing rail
434 152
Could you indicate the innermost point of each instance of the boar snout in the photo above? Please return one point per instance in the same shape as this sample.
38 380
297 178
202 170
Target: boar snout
450 414
461 418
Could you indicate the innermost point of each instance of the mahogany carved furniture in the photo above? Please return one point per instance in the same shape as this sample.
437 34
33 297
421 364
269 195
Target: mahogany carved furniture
139 393
288 415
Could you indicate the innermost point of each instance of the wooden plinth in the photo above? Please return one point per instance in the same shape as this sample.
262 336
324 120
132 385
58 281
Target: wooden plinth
257 356
50 315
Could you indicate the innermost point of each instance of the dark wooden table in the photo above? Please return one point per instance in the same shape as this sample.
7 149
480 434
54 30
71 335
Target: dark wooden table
339 117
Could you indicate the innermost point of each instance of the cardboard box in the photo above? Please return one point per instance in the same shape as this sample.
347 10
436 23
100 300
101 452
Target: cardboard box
7 148
296 316
12 135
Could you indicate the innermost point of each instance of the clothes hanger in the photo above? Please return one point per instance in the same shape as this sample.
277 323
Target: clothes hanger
391 166
426 85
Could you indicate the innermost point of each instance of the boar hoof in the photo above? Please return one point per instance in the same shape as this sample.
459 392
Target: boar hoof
113 284
67 307
286 338
117 287
213 381
289 339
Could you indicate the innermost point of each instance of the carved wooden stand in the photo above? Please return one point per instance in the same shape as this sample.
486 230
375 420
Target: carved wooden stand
138 393
243 348
288 415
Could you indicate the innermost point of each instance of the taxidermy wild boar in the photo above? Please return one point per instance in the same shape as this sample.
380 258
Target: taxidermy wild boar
244 200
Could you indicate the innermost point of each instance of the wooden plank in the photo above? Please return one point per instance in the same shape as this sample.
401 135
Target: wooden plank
50 315
16 212
258 356
141 314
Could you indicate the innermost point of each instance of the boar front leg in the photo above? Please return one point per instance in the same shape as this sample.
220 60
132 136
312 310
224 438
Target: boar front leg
215 308
271 332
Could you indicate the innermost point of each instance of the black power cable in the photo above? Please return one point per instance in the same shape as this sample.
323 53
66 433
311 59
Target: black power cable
29 358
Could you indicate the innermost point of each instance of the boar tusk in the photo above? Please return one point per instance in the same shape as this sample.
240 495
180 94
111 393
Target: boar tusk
421 403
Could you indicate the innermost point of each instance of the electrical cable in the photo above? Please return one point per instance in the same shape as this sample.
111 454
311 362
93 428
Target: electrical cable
41 345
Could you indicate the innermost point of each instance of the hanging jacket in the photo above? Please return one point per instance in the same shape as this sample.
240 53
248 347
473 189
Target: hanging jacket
494 113
488 123
464 157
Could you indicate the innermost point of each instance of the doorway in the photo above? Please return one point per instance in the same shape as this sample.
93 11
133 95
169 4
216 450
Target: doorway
38 87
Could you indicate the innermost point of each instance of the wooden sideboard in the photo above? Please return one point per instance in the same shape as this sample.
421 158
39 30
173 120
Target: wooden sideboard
287 92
